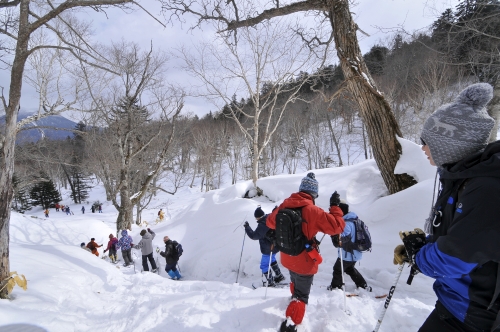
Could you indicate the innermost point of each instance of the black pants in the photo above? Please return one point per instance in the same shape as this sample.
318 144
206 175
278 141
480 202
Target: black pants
151 259
350 270
443 321
302 285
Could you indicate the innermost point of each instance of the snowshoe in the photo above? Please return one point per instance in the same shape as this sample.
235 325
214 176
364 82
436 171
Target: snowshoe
279 278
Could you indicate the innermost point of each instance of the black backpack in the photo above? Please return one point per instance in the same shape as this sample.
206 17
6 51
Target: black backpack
363 240
178 249
289 236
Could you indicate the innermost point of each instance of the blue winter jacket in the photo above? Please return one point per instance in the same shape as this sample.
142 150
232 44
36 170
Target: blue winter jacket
260 234
464 250
125 242
350 230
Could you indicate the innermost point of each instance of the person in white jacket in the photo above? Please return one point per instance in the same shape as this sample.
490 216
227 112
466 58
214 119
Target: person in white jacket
146 246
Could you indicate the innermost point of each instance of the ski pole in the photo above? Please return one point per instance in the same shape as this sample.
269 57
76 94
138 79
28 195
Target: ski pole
241 255
241 223
342 271
269 270
389 297
179 268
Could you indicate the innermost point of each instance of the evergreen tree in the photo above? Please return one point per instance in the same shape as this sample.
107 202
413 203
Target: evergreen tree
80 185
21 201
44 194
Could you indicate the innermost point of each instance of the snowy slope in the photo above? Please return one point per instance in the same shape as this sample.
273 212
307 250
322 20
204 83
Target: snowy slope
72 290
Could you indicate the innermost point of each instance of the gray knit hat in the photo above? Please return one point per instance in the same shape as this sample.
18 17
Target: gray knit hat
461 128
309 185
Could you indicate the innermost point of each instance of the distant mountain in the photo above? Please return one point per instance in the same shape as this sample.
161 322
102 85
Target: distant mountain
54 121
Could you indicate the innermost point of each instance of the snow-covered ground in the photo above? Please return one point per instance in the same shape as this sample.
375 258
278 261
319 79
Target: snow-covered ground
72 290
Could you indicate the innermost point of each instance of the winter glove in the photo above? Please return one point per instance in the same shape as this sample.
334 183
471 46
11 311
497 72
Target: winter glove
335 199
246 224
413 242
149 231
400 256
105 250
157 249
336 240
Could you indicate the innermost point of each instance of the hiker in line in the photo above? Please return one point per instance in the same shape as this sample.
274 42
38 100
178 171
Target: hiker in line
46 212
266 248
161 215
57 207
461 249
63 209
125 243
92 208
304 266
349 258
100 208
92 245
171 258
67 210
146 246
112 248
83 209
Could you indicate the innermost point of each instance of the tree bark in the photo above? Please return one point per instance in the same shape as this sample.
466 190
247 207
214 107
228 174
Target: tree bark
381 125
494 110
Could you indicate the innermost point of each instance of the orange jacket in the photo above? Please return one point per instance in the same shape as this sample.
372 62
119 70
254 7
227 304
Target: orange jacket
317 221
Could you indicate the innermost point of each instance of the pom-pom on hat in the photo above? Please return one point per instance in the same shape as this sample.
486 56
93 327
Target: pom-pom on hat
258 212
461 128
309 185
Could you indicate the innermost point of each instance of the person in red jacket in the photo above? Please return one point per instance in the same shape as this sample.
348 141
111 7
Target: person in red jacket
112 248
304 266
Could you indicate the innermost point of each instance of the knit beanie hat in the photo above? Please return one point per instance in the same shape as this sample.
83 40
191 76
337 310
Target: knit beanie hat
143 232
258 212
344 207
461 128
82 244
92 239
309 185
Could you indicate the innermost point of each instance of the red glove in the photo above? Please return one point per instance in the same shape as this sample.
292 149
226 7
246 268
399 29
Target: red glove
296 310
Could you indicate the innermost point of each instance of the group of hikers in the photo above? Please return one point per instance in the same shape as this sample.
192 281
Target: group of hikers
459 248
125 243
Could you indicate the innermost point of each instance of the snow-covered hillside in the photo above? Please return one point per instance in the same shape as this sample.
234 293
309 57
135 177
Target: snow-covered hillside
72 290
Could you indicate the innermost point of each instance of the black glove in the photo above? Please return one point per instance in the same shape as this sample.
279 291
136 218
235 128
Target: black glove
105 250
413 242
336 240
246 224
149 231
335 199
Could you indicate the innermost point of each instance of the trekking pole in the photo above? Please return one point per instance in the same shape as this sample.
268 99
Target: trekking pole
269 269
179 268
241 255
389 297
342 271
241 223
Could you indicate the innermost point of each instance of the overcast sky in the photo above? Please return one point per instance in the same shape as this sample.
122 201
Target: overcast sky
378 18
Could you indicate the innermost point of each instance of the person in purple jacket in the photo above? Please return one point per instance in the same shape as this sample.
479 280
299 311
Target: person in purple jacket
125 243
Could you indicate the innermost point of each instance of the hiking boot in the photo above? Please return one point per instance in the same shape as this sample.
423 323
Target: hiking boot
368 288
287 328
332 287
279 278
154 271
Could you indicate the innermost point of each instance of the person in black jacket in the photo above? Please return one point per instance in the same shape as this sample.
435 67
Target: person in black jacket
461 251
171 257
266 248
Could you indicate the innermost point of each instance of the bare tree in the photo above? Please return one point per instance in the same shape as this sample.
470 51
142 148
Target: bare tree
261 63
381 125
20 20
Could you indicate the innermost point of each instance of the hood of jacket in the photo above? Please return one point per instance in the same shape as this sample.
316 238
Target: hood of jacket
479 164
147 236
350 216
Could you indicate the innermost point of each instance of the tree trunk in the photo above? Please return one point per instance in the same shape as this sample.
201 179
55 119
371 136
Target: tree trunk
9 142
381 125
494 110
125 212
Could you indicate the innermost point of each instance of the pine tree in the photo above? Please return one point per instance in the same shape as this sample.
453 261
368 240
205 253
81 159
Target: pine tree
44 194
80 185
21 201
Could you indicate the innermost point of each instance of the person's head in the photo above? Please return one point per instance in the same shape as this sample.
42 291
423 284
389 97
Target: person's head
309 185
143 232
92 239
258 213
111 236
460 128
165 238
124 232
344 207
82 244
